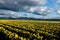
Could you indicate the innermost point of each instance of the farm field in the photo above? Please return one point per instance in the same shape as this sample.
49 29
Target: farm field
29 30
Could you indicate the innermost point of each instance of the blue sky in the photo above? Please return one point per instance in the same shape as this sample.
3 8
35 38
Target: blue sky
45 9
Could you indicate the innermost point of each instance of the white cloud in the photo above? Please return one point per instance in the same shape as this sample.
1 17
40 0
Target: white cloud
58 11
9 13
30 9
41 10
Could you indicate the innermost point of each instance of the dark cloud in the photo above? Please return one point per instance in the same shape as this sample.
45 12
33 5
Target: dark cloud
12 7
17 5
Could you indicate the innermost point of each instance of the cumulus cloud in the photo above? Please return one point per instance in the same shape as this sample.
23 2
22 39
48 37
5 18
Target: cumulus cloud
12 7
9 13
29 9
41 10
58 11
17 5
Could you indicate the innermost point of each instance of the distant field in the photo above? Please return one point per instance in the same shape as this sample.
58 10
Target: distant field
29 30
31 21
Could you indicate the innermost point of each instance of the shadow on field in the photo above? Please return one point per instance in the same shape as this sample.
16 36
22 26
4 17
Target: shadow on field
2 37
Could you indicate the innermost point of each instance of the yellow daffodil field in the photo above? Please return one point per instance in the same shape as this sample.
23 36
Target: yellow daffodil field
29 30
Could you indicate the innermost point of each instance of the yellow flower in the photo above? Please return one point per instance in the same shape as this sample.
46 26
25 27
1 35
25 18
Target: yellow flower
16 36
